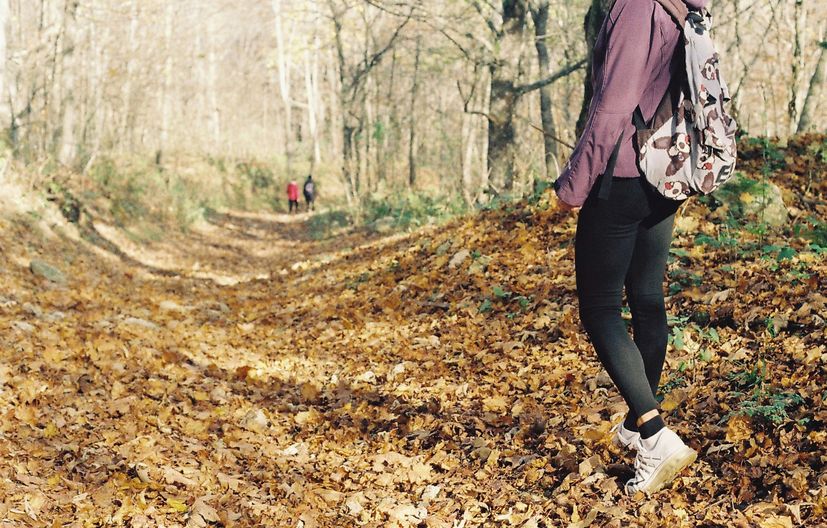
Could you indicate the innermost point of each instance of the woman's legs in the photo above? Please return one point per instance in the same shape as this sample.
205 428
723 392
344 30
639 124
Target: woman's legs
622 241
644 292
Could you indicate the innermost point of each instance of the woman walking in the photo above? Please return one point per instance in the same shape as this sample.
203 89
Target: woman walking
624 228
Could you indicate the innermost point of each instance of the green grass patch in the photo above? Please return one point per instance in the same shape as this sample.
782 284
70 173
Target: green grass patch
410 209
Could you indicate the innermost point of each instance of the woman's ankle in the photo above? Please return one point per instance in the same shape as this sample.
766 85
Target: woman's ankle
651 426
630 422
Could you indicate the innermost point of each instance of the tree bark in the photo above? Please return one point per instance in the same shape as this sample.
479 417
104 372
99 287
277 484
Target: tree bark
349 166
797 63
311 74
214 109
68 148
505 69
5 109
539 14
166 93
814 92
384 155
128 122
284 84
501 132
101 63
412 137
592 23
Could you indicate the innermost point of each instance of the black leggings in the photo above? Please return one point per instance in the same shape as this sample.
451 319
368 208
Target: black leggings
624 240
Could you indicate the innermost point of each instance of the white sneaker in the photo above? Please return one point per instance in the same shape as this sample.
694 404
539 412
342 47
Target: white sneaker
659 459
624 438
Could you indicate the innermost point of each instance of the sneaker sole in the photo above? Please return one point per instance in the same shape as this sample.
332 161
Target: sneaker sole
667 472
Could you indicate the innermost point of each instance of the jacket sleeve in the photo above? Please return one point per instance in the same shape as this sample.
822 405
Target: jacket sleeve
633 46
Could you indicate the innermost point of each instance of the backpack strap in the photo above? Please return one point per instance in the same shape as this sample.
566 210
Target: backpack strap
606 178
677 9
679 12
637 119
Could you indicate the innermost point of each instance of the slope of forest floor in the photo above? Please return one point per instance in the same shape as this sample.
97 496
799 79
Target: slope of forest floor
247 374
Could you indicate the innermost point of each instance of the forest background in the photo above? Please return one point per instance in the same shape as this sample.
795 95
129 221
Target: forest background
169 109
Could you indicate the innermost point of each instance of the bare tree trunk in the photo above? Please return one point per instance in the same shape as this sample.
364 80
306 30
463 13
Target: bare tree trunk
501 132
101 62
128 122
201 68
5 107
212 78
388 132
284 83
505 69
67 153
318 101
412 135
370 137
310 84
469 133
815 90
539 14
797 63
591 27
166 93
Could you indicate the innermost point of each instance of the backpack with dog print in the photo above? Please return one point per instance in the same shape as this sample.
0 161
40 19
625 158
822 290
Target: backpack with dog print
688 147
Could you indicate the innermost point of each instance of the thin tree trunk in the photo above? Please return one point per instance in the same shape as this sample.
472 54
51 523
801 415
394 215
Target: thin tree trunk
126 132
388 142
318 102
200 68
51 124
797 63
284 83
67 153
815 90
412 135
310 74
101 55
166 93
370 137
540 16
469 133
5 107
212 90
349 128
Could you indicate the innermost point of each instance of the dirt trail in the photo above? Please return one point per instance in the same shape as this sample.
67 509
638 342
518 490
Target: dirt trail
247 374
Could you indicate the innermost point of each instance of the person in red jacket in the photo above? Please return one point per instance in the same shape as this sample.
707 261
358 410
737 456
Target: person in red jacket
293 196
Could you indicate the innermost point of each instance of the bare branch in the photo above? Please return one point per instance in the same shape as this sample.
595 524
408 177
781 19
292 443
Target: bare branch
467 100
567 70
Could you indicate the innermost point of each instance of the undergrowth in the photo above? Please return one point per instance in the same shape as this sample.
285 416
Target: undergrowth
410 209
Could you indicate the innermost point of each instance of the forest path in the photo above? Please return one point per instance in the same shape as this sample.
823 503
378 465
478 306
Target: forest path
246 374
229 247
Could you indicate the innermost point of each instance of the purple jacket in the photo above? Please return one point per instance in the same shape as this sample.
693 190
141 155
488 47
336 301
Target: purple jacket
634 60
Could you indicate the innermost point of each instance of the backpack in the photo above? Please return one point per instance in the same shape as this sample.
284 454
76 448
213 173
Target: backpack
308 188
688 147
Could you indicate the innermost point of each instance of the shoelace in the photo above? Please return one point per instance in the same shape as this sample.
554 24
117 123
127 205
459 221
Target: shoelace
644 462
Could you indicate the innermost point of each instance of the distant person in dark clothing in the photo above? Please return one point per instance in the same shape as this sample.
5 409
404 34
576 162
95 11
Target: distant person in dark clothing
309 192
293 196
